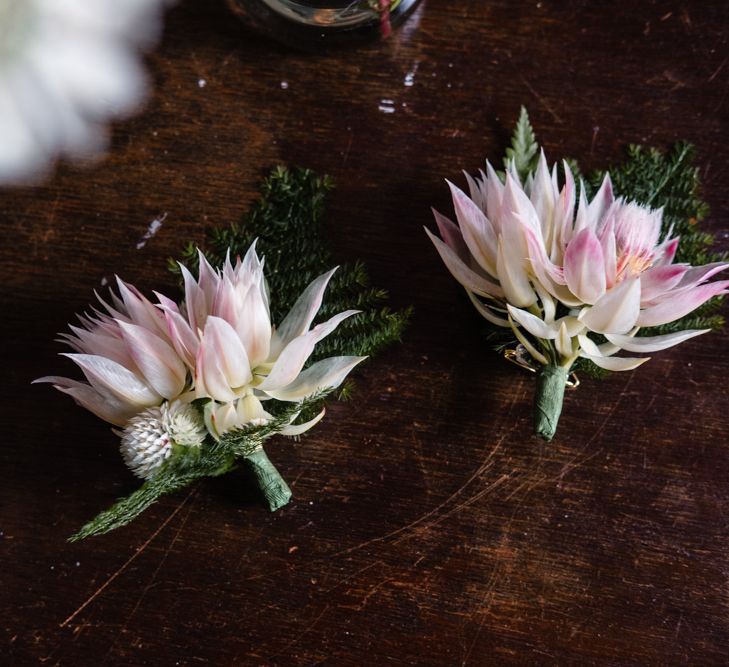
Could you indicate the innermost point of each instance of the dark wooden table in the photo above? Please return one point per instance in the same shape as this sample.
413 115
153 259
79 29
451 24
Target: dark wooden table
429 527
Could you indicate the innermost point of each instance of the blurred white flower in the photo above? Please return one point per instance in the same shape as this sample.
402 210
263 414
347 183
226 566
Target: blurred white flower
66 68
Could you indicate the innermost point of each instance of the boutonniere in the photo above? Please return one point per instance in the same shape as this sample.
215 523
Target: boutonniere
577 271
196 387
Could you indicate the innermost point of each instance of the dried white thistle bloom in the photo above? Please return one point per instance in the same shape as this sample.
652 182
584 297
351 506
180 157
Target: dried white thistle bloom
148 439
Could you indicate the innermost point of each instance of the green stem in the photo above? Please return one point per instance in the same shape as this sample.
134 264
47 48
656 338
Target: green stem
272 485
551 383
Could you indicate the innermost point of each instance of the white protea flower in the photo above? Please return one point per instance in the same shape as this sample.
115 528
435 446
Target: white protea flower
559 270
150 437
66 67
219 344
237 358
127 357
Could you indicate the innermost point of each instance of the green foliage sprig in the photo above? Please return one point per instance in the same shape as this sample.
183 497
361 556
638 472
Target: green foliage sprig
287 221
187 465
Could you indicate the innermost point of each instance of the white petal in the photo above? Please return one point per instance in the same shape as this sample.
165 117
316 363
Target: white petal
325 374
573 324
534 325
294 355
298 429
221 364
616 363
299 318
563 342
512 276
590 347
653 343
486 312
616 311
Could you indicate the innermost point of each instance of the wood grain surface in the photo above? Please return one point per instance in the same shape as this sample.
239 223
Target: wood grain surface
429 527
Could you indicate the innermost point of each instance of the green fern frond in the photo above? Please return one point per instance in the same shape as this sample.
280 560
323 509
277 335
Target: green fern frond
523 153
287 221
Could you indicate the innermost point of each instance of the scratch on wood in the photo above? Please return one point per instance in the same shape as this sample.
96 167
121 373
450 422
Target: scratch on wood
540 99
153 582
298 638
129 561
460 506
481 469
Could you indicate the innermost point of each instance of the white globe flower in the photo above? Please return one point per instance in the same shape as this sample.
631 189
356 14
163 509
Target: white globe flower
148 439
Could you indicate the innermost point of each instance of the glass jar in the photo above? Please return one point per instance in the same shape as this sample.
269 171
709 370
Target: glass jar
317 24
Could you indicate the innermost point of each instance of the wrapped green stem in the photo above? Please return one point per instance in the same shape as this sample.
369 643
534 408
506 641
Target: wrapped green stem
272 485
551 383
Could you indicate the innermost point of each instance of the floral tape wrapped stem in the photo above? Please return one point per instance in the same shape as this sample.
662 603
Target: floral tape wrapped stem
551 383
274 488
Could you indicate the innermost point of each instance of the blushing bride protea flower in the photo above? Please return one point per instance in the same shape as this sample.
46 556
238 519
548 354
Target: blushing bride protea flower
560 270
146 363
66 67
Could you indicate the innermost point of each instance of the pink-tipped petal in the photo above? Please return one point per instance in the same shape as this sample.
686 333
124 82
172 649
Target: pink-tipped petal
462 273
108 377
208 277
156 359
600 203
451 235
104 406
584 267
660 279
477 231
254 326
475 191
665 252
494 193
563 216
609 253
700 274
616 311
140 309
195 300
183 339
581 220
679 303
